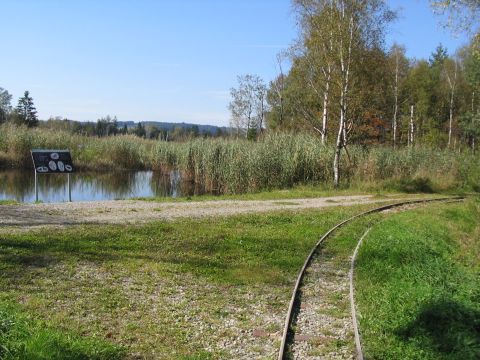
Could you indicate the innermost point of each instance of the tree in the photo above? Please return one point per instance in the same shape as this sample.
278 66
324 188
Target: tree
106 126
439 91
293 104
313 56
248 105
399 67
5 106
276 97
462 15
25 112
471 65
140 130
450 73
470 124
418 88
349 28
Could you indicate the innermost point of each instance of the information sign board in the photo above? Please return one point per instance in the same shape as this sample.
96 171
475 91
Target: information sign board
52 161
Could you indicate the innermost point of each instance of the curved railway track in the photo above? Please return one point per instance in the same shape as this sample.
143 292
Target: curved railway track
295 305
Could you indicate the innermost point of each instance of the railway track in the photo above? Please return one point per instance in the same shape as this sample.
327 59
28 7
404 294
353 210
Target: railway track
307 308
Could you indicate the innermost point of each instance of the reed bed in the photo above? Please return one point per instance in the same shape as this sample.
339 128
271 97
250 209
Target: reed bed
277 160
90 153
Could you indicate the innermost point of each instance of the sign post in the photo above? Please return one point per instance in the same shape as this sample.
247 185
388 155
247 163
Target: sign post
52 162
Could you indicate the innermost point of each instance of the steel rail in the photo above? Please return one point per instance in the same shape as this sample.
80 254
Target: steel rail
293 300
358 343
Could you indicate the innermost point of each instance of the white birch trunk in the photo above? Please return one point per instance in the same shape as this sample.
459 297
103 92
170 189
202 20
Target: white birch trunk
473 109
450 121
412 127
325 111
338 145
452 83
395 111
345 76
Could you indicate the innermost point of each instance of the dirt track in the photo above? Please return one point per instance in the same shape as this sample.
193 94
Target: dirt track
134 212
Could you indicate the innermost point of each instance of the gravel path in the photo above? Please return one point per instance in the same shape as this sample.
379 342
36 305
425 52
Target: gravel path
134 212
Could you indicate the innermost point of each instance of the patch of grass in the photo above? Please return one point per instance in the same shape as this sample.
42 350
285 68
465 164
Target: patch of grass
203 355
417 185
8 202
24 337
417 284
296 192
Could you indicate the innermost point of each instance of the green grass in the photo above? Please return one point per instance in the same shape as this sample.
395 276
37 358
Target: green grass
297 192
147 288
8 202
418 289
23 337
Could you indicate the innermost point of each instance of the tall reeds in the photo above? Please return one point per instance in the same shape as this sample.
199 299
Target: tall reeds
278 160
118 152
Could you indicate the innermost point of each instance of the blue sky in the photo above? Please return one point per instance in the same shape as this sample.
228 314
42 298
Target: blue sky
160 60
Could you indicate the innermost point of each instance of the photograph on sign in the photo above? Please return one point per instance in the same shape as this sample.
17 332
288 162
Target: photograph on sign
52 161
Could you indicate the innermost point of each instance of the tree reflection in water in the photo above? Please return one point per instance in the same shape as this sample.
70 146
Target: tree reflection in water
86 186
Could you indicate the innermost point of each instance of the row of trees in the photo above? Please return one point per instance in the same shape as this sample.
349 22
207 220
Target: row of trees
344 86
393 99
25 112
110 126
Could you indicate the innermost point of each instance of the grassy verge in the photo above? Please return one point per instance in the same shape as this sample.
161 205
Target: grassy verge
296 192
8 202
299 192
418 288
173 291
23 337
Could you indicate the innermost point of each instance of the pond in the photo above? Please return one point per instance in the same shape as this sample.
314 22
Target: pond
19 185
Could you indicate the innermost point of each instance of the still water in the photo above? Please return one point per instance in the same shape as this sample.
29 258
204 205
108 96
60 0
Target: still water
88 186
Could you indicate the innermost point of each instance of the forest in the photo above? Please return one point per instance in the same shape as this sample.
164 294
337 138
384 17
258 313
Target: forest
344 86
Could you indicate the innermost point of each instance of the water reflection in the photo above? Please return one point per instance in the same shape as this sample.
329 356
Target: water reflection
20 185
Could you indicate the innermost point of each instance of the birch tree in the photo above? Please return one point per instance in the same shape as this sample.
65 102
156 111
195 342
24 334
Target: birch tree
462 15
248 105
411 127
276 92
450 73
315 50
399 66
5 105
345 28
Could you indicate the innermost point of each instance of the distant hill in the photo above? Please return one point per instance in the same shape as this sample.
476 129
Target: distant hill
203 129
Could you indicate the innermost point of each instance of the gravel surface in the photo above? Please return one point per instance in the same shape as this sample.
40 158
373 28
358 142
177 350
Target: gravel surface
134 212
323 327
